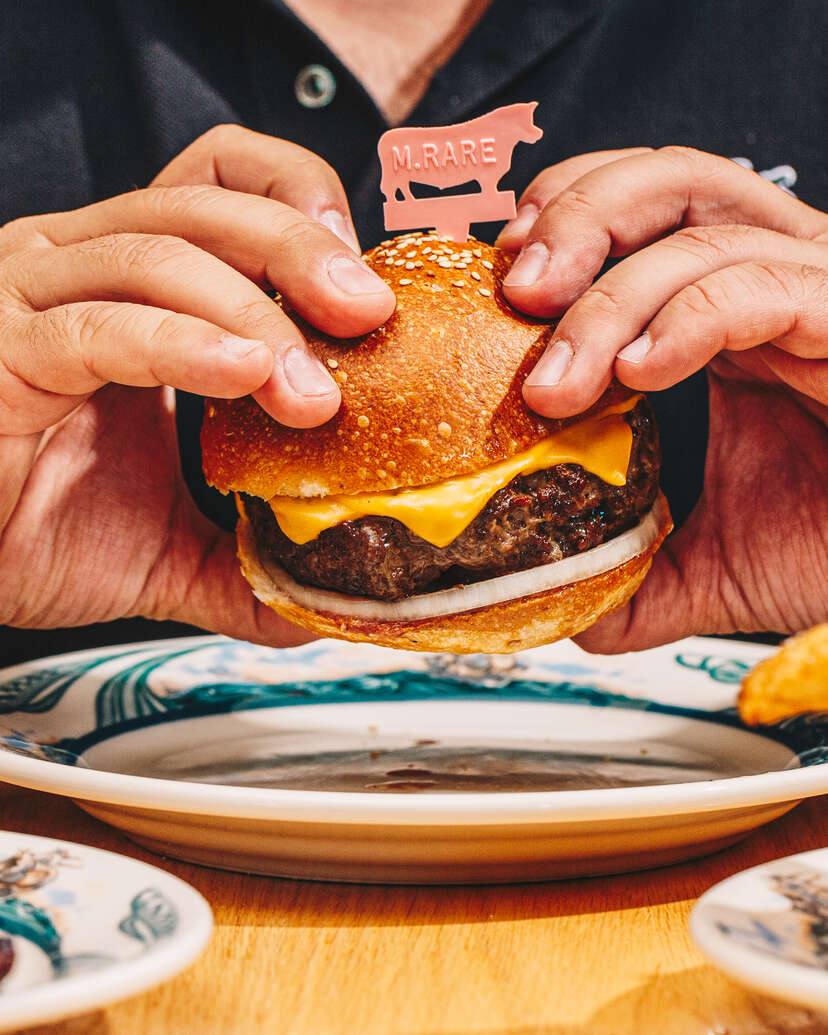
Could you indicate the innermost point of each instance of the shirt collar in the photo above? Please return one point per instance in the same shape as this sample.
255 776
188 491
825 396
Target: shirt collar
511 36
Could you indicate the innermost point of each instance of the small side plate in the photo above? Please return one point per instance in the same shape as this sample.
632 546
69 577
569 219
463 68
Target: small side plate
767 927
80 928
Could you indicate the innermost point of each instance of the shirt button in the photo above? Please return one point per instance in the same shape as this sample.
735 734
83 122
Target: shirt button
315 86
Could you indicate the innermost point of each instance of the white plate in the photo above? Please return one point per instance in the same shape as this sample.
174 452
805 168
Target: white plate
352 762
80 928
768 927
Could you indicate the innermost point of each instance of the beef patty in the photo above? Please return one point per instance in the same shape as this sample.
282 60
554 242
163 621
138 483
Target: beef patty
535 519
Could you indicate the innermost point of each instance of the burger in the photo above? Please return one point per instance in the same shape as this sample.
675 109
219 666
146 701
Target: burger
436 511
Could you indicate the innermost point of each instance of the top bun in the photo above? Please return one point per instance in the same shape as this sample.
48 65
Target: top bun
433 393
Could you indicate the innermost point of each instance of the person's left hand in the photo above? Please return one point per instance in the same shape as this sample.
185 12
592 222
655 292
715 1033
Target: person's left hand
738 285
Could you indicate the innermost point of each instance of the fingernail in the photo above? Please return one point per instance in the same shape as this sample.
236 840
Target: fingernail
305 374
239 347
552 366
636 350
523 221
338 224
353 277
528 266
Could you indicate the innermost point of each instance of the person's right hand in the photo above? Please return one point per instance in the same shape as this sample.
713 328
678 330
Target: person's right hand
102 307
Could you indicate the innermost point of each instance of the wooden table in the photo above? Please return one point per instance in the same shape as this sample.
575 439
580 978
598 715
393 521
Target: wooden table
599 956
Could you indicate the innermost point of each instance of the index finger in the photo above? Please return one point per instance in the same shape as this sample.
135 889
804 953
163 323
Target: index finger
619 207
548 184
240 159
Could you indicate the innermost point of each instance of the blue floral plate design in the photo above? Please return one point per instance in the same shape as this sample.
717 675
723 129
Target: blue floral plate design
354 762
80 928
767 927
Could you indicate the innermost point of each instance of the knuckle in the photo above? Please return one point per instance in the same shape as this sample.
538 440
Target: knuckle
576 201
686 157
25 232
792 281
545 187
606 300
221 135
176 204
815 277
702 240
312 162
77 329
71 330
258 313
296 232
133 254
701 298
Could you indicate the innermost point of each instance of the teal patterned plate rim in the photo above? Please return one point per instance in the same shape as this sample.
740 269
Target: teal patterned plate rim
54 710
767 927
81 927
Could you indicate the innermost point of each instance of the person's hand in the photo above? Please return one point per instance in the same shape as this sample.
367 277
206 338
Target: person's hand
739 285
103 311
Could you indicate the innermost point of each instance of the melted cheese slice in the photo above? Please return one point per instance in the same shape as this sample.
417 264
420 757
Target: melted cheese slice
439 513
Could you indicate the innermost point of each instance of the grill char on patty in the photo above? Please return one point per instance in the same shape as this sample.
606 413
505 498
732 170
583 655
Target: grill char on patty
535 519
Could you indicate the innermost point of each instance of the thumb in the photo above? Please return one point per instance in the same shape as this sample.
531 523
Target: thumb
200 582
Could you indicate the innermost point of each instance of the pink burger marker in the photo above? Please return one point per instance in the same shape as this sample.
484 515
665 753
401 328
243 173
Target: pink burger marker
446 156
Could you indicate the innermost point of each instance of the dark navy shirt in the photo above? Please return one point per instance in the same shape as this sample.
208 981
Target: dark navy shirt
97 95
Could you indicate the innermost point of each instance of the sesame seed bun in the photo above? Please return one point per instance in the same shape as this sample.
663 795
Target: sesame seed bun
433 393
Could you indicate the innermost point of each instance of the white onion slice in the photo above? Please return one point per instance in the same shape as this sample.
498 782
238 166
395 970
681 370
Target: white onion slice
496 590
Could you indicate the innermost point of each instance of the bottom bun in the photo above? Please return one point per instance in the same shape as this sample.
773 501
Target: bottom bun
501 627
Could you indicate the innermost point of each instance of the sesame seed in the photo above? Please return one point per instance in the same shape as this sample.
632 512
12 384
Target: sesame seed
410 255
363 421
418 265
386 243
332 363
399 262
430 273
396 430
458 283
475 274
460 265
477 253
427 249
405 280
486 265
389 262
484 291
445 264
454 256
410 266
392 465
444 429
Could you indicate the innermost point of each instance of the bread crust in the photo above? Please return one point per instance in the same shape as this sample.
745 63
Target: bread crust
433 393
499 629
